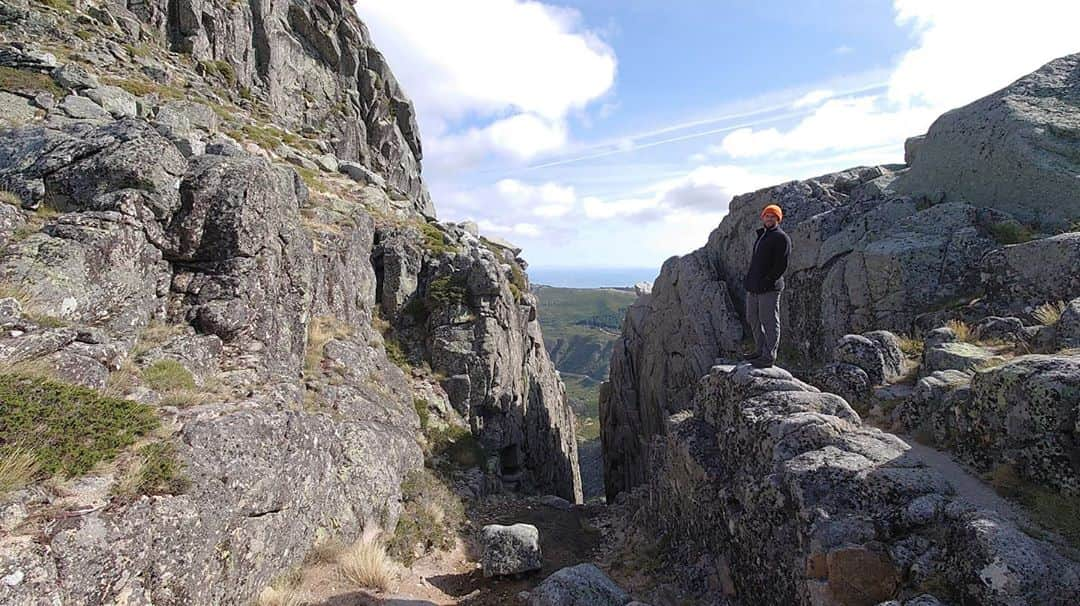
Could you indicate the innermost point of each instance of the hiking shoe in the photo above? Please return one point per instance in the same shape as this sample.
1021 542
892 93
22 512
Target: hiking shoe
761 363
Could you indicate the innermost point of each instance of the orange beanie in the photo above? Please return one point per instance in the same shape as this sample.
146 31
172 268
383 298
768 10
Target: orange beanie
775 210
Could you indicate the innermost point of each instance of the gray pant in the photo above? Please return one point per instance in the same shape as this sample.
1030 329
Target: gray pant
763 315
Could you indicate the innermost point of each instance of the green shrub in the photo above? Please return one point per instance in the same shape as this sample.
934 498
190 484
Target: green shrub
431 518
311 178
518 286
219 69
67 428
418 310
435 240
1011 232
168 375
446 291
396 353
421 406
455 445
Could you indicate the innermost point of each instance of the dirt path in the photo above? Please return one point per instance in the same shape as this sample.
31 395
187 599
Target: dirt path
968 485
567 537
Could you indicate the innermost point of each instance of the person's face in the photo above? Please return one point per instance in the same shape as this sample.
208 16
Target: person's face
769 220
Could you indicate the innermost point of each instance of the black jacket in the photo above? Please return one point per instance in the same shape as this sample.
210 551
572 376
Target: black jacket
767 266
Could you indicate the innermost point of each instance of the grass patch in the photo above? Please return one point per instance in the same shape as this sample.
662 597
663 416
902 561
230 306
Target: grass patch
366 564
962 330
1048 314
311 179
325 551
431 518
17 467
396 353
1011 232
168 375
7 197
421 406
518 285
219 69
154 335
435 240
266 137
1051 509
456 446
138 50
60 6
142 87
67 428
17 79
321 330
156 472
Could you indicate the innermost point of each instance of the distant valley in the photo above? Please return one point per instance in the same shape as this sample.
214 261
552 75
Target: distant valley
580 327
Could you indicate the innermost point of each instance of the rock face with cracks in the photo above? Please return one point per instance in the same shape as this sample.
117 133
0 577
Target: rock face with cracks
173 200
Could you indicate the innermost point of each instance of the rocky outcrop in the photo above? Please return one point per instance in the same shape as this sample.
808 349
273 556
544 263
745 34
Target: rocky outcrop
865 256
187 196
766 469
463 307
1014 150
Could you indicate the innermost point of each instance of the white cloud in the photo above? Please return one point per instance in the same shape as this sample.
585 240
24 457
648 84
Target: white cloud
706 189
960 57
491 76
812 98
547 200
529 230
970 48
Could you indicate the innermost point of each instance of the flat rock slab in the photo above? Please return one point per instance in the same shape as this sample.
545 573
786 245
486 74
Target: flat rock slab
511 549
581 585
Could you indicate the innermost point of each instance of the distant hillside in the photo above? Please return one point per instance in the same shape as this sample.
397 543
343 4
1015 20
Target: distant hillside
580 325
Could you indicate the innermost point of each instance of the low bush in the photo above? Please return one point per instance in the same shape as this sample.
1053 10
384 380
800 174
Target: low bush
431 518
68 429
1048 314
168 375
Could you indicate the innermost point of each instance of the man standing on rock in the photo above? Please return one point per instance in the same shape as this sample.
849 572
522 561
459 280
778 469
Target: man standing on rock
764 281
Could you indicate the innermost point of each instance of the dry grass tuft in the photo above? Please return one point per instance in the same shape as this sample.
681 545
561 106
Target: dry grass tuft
366 563
7 197
17 467
1048 313
274 596
962 330
912 347
321 330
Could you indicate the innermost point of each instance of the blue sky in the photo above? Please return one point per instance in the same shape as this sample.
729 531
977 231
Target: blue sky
605 133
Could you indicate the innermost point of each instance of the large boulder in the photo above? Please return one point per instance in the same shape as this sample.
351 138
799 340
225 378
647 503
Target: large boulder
1012 150
510 549
581 585
1020 277
1067 330
876 353
1024 413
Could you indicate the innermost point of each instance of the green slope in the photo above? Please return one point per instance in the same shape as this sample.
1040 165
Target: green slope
580 327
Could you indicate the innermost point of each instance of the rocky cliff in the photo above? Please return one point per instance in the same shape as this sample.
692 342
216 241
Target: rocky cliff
896 247
215 209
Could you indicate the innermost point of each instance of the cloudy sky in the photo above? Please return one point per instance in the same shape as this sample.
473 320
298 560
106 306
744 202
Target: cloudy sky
613 133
